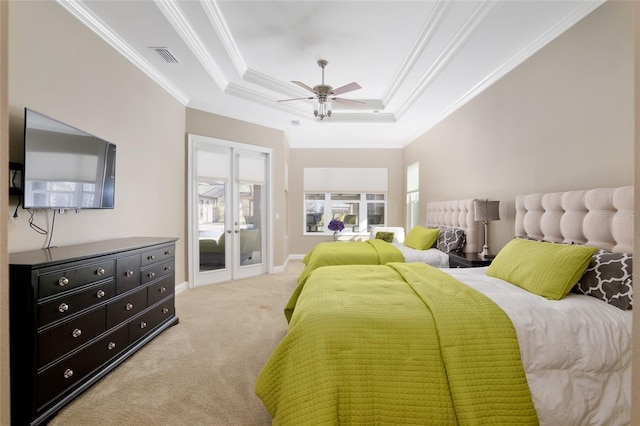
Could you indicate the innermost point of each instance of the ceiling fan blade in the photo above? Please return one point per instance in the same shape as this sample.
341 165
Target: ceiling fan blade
346 88
295 99
304 86
351 102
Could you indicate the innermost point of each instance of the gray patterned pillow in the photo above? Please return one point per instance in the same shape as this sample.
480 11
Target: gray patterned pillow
608 277
450 239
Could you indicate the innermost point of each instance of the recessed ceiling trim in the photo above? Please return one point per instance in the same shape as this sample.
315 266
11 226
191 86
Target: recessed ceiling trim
176 18
84 15
446 55
424 38
262 99
220 26
567 21
267 82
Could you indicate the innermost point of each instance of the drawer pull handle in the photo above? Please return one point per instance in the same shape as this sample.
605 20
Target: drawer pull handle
167 268
129 306
111 346
63 307
151 274
100 294
76 333
68 373
165 310
151 257
100 271
143 324
168 252
162 289
128 273
63 281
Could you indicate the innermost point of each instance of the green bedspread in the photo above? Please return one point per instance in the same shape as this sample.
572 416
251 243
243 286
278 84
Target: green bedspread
395 344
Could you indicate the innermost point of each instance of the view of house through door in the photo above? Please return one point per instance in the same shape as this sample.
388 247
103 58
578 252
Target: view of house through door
228 210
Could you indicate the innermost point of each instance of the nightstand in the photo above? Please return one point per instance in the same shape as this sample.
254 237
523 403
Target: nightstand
468 260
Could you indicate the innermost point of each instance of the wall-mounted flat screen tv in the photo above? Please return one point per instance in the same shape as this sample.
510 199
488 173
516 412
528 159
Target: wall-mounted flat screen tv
66 168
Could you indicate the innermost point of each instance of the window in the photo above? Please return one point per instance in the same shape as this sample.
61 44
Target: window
356 196
359 212
413 194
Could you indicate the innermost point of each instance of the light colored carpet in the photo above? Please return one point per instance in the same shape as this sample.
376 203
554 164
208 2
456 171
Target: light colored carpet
201 371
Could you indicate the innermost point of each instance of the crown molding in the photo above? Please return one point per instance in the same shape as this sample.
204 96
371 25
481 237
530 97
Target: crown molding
424 38
580 11
180 23
84 15
446 55
220 26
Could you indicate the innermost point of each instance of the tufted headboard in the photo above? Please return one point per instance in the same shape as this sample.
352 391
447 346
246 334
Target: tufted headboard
598 217
457 214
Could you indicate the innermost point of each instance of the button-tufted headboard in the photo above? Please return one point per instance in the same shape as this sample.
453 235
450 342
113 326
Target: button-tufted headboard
457 214
599 217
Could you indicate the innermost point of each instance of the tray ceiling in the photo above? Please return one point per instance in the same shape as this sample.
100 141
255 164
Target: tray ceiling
417 61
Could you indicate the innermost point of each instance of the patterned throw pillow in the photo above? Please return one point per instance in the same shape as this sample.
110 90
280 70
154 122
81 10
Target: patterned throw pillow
608 277
450 240
385 236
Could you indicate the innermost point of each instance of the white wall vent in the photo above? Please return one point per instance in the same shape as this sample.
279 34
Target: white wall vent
165 54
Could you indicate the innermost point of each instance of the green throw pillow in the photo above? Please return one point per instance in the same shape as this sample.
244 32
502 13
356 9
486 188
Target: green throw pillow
421 238
385 236
546 269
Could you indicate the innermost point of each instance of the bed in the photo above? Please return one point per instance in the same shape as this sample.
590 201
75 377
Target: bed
456 230
413 344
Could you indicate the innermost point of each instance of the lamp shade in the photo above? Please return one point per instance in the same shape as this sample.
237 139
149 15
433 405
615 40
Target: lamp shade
486 211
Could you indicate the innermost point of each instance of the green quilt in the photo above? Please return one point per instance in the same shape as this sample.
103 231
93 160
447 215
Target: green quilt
395 344
370 252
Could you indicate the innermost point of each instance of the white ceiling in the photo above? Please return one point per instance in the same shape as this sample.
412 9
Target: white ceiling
417 61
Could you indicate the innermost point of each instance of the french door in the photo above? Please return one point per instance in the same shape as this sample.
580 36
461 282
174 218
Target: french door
229 203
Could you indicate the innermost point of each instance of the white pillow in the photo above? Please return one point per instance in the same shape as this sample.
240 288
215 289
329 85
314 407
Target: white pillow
398 232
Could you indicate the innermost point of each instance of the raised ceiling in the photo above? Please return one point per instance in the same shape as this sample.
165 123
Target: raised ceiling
417 61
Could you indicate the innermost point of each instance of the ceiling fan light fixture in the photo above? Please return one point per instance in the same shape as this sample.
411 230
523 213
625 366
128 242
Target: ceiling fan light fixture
322 108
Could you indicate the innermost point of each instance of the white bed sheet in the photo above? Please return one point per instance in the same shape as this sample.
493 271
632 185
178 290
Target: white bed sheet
432 256
576 352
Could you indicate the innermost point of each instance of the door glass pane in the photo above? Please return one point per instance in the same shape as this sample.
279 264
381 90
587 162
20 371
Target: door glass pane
314 212
211 224
250 223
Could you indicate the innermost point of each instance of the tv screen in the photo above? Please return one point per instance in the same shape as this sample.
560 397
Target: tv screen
66 168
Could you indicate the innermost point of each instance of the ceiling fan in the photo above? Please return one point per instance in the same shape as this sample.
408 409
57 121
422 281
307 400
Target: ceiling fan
326 94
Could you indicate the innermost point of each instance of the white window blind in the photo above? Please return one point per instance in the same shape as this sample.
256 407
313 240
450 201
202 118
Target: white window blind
346 179
413 177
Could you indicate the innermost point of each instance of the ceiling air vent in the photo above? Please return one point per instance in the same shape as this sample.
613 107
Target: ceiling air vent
166 54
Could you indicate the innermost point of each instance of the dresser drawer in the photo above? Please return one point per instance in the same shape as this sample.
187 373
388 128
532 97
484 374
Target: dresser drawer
127 273
73 277
161 289
155 316
72 303
61 376
156 271
125 307
158 254
70 335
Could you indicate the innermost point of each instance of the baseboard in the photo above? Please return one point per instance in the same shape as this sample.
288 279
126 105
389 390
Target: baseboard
182 287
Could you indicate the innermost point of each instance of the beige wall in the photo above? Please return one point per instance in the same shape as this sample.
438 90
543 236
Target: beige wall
216 126
74 76
4 177
301 158
562 120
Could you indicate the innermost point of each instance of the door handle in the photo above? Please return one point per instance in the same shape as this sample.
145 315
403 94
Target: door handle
228 231
236 231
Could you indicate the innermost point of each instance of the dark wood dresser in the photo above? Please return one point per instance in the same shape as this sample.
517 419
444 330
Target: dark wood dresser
77 312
